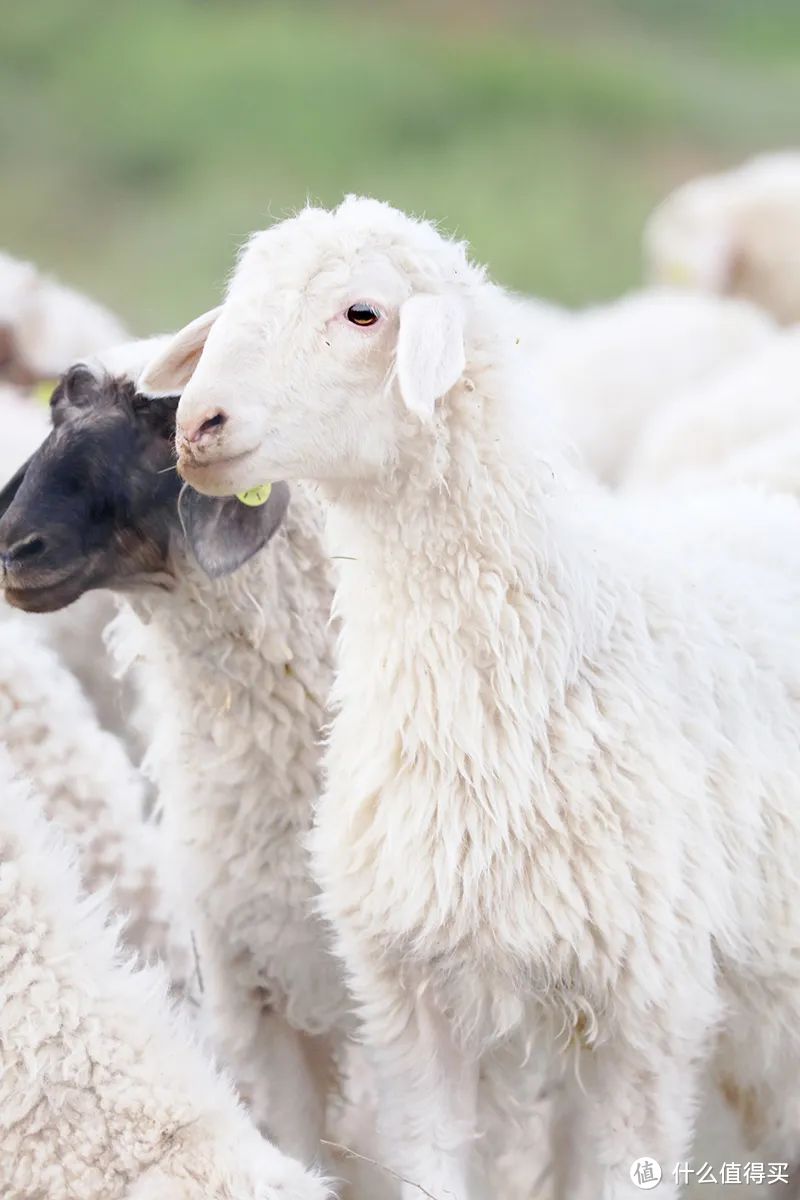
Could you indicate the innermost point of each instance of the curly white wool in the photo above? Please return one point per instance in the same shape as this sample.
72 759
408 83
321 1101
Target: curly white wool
563 768
103 1093
90 789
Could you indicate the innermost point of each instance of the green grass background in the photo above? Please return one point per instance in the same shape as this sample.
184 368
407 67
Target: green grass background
140 140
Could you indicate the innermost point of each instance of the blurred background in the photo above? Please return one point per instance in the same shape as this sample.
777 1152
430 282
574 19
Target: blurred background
142 141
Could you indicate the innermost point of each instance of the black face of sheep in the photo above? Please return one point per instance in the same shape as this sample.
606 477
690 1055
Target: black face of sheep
100 503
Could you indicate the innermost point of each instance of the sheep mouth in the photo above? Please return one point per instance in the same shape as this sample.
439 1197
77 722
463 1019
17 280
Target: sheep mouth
47 597
219 477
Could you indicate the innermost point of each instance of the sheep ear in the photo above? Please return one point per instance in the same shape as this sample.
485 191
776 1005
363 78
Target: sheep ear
77 388
168 373
225 534
430 351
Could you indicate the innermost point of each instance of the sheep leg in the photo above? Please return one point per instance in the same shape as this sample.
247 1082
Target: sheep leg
635 1109
427 1088
294 1074
281 1074
758 1076
278 1071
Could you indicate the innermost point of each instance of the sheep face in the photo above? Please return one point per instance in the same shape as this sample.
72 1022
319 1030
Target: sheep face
340 332
100 504
688 242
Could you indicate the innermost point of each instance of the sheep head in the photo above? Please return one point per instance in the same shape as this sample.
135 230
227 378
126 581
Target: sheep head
340 333
689 239
100 504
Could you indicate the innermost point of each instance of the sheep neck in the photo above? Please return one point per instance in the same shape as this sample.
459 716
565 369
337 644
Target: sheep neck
474 534
229 661
470 604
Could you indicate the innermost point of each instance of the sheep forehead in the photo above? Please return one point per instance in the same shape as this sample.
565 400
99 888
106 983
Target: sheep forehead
700 200
320 249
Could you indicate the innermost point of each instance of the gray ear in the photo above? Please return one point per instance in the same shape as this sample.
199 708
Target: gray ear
224 533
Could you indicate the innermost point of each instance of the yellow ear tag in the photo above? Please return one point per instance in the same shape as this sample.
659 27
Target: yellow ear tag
677 273
255 497
44 390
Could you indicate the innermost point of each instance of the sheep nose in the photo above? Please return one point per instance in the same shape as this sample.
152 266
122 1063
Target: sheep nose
207 430
23 550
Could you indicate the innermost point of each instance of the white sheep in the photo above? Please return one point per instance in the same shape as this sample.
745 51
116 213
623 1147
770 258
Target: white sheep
735 233
88 786
614 367
563 767
103 1093
44 326
728 418
235 671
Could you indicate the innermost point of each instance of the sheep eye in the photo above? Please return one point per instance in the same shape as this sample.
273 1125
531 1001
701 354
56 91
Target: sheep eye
362 314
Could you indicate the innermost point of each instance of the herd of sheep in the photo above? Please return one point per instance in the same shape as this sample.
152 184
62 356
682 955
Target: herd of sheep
399 708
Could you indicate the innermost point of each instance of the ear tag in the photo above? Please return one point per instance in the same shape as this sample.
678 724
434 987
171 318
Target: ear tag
44 390
255 497
677 273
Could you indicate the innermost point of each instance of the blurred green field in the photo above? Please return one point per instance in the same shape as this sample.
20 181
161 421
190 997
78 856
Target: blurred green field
141 141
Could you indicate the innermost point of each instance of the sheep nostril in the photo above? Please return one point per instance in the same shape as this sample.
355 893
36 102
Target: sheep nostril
24 550
209 427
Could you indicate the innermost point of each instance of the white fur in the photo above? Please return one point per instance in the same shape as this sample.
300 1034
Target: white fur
103 1093
614 368
44 325
90 789
564 767
735 425
735 233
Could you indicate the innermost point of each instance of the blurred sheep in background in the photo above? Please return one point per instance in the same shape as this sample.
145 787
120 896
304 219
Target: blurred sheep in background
734 234
44 325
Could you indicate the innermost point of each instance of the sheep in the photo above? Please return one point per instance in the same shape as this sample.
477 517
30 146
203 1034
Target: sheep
88 786
235 668
735 233
44 326
613 368
726 418
562 766
104 1095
